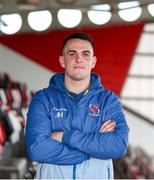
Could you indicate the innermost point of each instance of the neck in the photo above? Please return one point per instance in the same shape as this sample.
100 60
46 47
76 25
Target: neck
77 86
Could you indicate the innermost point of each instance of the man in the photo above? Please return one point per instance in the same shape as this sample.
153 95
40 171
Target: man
75 127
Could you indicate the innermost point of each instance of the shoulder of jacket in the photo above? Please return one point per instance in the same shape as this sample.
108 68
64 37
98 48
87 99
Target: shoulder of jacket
110 96
110 93
41 95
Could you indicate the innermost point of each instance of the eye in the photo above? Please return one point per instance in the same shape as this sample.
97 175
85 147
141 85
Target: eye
71 53
86 54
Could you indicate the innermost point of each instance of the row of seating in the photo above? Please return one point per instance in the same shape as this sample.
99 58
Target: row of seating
135 165
13 93
14 102
12 122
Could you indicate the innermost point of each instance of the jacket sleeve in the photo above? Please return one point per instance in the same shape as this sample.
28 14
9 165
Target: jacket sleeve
40 146
102 145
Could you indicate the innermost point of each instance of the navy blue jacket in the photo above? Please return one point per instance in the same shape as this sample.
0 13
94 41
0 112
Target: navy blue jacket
56 109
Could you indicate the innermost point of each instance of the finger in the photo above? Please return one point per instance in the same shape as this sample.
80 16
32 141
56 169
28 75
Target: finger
108 126
106 123
112 124
109 130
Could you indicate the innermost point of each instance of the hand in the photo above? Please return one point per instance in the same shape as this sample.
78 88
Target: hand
108 126
57 135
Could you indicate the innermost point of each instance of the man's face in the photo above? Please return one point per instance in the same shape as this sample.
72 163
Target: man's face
78 59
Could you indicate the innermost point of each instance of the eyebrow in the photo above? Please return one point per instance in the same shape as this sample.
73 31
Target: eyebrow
70 51
86 51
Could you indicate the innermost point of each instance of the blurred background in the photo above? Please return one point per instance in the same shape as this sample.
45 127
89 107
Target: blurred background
31 33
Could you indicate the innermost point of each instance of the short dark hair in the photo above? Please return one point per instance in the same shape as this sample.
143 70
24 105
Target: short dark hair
78 35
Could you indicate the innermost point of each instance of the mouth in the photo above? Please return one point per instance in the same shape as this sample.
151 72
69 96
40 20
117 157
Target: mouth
78 67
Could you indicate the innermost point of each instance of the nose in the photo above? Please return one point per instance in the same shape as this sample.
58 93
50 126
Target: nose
79 58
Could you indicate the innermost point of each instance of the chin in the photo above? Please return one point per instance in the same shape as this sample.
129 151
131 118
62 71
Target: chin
79 77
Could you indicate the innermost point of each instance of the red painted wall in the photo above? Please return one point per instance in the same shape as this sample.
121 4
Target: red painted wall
114 48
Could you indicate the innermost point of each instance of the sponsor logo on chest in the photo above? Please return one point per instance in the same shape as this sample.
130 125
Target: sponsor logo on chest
94 110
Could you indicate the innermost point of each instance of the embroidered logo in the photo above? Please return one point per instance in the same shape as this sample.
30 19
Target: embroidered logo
59 112
94 110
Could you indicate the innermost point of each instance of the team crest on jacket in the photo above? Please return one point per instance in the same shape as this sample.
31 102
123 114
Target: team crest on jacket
94 110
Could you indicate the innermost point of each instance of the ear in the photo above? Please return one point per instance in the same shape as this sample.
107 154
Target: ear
61 61
94 60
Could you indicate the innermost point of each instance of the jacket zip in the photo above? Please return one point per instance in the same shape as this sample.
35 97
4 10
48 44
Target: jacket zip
74 172
108 173
74 166
40 175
